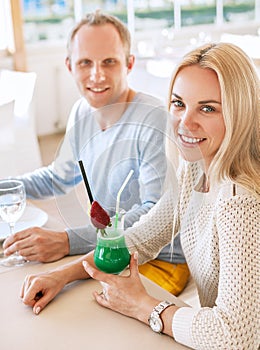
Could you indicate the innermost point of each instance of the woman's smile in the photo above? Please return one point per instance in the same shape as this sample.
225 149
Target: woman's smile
197 114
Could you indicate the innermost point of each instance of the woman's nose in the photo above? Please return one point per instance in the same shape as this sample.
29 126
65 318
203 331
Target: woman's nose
189 120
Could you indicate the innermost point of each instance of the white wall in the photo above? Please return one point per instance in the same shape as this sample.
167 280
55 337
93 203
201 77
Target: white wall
55 91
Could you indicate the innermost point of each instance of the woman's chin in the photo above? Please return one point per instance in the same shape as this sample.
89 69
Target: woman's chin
191 156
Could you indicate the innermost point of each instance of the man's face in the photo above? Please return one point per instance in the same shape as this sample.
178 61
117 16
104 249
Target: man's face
98 65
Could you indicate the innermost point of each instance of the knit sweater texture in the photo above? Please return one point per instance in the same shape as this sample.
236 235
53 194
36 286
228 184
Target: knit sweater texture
219 233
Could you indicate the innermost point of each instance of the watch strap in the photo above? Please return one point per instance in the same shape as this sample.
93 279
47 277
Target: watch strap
162 306
158 309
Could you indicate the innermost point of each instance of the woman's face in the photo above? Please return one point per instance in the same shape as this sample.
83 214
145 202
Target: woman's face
196 111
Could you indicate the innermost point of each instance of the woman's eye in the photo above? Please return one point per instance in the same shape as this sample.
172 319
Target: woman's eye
177 103
208 109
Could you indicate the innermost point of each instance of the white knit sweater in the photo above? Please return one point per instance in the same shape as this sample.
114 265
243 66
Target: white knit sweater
220 239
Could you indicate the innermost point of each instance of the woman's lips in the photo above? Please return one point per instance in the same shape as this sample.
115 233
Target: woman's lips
191 141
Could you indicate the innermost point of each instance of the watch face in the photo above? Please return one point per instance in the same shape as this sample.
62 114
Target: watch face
155 324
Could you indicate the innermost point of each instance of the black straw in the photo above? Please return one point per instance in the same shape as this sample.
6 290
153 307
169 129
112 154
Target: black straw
86 181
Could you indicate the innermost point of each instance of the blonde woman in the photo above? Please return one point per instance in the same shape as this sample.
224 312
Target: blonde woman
214 113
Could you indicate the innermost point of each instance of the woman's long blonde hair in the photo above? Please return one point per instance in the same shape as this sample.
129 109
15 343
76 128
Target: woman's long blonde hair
238 158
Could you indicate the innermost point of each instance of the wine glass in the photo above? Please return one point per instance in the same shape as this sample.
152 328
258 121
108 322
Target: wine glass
12 205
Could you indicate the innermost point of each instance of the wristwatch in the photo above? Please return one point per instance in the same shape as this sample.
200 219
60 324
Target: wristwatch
155 320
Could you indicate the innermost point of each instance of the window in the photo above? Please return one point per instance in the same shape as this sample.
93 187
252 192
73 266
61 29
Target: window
153 23
6 40
47 20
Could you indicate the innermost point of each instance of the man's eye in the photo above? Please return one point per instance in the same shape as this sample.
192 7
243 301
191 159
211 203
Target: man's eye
208 109
109 61
84 63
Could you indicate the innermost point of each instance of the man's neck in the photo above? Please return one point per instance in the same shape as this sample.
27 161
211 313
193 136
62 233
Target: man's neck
110 114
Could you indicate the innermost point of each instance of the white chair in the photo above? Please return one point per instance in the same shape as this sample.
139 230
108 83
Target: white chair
19 149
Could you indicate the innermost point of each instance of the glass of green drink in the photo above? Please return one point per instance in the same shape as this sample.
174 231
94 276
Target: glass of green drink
111 254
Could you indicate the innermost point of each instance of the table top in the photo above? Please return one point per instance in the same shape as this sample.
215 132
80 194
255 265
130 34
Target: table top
73 319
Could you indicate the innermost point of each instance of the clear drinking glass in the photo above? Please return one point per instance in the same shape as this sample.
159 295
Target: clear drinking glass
111 254
12 205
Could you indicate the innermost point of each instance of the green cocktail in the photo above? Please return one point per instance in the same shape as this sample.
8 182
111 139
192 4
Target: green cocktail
111 254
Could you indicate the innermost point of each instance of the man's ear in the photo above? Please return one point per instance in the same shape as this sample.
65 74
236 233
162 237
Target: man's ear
131 61
68 64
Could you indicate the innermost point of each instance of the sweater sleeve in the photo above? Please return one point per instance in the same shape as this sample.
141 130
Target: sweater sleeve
55 179
61 175
150 142
151 233
82 240
158 227
154 230
233 322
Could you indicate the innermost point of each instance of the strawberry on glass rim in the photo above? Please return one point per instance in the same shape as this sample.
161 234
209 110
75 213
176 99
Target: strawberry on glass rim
99 218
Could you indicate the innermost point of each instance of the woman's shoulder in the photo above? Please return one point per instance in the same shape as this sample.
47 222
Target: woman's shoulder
228 190
232 198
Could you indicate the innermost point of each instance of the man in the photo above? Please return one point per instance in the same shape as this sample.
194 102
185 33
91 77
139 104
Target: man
113 129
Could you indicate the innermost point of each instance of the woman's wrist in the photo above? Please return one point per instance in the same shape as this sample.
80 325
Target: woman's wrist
145 308
166 316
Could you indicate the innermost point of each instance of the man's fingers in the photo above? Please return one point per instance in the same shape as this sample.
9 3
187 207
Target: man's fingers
18 236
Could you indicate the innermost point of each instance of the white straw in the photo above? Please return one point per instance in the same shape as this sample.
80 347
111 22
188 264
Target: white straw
119 194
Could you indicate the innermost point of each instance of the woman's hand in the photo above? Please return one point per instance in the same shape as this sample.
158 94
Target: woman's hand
38 290
124 294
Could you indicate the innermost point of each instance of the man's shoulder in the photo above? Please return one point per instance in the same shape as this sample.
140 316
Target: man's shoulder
81 106
149 111
78 111
142 97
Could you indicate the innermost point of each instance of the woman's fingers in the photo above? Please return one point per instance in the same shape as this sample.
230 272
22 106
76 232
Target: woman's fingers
134 265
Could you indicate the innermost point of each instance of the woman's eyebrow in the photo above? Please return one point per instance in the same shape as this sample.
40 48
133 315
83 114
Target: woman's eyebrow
200 102
177 96
209 101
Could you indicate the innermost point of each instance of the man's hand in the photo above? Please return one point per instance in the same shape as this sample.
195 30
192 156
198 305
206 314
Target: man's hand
38 244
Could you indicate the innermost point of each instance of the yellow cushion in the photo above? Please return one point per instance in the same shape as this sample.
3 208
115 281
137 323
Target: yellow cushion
172 277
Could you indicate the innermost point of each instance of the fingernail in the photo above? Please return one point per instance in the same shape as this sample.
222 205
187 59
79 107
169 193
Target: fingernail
84 263
136 255
37 310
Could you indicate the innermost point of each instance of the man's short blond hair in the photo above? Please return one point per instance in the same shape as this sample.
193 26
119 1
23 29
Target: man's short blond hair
99 18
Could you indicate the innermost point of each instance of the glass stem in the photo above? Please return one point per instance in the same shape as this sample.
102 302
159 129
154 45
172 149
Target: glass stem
11 225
